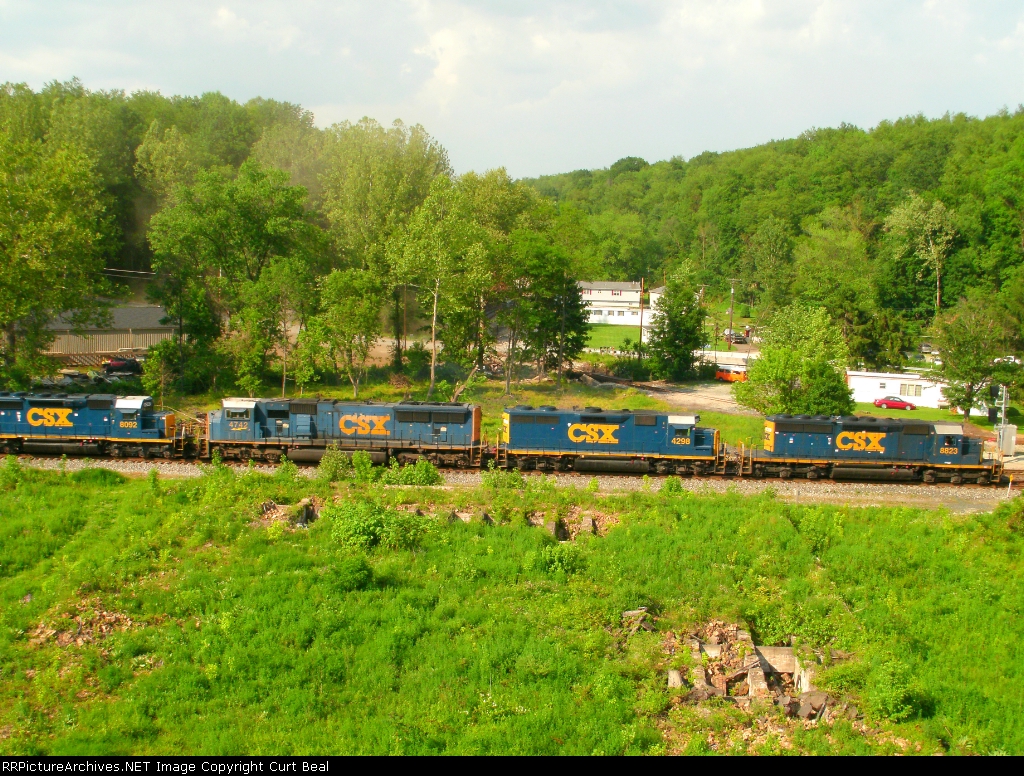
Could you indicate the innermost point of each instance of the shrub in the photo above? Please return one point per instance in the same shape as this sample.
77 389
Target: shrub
673 487
423 472
502 479
349 574
10 475
565 558
819 526
286 471
362 467
102 478
363 525
890 691
334 466
355 524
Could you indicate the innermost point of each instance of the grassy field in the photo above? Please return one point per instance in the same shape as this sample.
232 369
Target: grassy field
156 617
608 335
978 418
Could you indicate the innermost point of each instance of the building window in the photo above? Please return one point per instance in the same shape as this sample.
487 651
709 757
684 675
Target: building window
616 293
621 313
882 386
634 313
910 390
598 312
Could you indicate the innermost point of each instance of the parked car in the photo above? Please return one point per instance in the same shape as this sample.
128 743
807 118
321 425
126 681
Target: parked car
731 374
122 364
894 403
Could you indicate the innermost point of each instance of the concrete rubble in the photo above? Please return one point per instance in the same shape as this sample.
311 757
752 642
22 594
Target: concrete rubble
727 664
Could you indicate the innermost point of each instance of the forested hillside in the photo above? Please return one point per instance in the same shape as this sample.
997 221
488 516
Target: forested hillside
285 251
279 249
829 218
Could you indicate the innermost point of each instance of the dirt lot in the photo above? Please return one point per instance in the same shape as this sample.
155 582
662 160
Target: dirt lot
709 397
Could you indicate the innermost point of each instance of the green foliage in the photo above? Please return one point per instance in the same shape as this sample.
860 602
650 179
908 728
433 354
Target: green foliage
423 472
334 466
563 558
502 479
677 331
286 470
364 525
98 477
323 619
801 367
890 690
819 526
362 467
672 486
972 339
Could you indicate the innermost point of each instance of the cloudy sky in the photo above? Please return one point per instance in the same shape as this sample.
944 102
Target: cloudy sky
547 86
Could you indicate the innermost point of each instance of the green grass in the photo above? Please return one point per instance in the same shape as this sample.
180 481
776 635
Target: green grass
608 335
978 418
472 638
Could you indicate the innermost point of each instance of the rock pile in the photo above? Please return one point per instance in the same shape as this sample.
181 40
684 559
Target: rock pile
727 664
90 623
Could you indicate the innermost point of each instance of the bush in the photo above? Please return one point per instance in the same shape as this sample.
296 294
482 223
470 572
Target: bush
286 471
890 692
102 478
363 525
10 475
673 487
819 526
349 574
553 558
502 479
423 472
334 466
417 361
362 467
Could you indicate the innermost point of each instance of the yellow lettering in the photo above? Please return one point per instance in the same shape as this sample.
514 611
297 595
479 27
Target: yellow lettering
593 433
861 441
49 417
874 443
360 425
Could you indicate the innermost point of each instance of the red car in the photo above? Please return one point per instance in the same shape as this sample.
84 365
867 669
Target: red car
894 403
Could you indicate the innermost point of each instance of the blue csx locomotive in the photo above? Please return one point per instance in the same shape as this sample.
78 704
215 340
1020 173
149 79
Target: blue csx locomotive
449 434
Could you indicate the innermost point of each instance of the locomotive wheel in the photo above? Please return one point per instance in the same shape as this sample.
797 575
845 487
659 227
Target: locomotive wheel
812 474
929 477
983 480
785 474
956 479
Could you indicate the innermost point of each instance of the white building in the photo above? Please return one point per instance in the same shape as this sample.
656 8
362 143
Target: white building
869 386
613 302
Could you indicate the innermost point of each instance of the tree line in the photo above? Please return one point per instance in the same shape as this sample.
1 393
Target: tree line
885 229
288 251
277 247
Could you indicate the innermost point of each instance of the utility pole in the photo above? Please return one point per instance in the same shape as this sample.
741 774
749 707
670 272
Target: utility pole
641 312
732 305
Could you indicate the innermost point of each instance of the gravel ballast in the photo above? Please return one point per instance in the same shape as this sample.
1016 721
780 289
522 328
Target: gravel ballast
966 498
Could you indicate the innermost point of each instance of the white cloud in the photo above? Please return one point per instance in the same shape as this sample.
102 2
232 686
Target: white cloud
546 86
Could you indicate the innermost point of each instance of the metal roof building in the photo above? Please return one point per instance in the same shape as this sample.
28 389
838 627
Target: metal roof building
132 327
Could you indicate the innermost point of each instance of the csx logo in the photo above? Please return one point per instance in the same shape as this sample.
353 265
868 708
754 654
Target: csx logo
363 425
49 417
593 433
861 441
